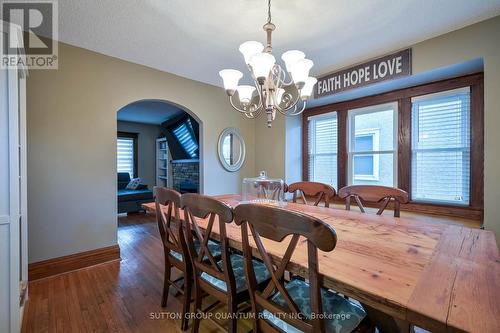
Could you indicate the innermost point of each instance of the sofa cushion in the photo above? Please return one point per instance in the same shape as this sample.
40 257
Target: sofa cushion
237 262
342 315
129 195
133 184
123 180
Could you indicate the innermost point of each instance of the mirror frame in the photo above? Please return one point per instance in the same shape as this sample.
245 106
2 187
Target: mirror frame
236 166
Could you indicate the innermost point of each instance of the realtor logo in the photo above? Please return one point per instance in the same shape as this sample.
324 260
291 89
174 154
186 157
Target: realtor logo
38 21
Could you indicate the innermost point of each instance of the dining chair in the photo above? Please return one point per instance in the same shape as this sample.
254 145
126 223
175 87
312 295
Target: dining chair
322 192
273 194
295 305
374 193
224 279
175 248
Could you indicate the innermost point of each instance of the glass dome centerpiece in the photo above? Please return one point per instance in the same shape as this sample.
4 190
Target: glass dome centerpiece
263 190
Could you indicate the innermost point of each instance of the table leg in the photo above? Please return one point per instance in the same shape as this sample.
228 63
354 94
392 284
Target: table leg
386 323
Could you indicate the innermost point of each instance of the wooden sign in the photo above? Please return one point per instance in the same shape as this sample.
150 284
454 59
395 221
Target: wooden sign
382 69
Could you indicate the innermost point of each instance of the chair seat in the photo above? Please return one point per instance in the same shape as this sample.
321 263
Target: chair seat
212 246
237 262
342 315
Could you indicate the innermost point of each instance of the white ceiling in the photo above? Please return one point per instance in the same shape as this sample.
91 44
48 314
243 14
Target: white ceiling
197 38
148 112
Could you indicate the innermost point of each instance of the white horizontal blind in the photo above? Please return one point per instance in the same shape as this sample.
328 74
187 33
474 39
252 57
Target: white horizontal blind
185 135
322 147
441 147
125 155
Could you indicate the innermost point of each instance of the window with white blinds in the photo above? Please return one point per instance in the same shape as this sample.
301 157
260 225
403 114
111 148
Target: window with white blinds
185 134
440 165
322 148
125 155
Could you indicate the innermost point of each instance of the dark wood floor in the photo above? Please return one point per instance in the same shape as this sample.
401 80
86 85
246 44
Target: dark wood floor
114 297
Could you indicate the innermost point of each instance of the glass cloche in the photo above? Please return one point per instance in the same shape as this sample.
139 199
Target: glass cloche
263 190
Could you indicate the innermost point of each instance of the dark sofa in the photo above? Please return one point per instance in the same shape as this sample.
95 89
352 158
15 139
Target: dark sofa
131 200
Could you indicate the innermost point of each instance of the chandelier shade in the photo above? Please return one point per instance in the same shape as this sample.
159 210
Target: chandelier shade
248 49
300 71
261 64
230 79
306 91
276 90
291 57
245 93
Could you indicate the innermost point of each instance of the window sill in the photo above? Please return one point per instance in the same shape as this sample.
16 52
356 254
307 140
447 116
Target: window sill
474 214
366 177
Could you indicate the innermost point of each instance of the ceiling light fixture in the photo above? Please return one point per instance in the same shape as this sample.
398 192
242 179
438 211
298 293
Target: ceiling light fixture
277 90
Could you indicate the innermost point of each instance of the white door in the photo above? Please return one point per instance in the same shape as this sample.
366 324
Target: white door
13 219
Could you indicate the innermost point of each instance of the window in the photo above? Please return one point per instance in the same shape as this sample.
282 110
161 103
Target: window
427 140
185 135
126 148
322 159
440 152
365 166
372 146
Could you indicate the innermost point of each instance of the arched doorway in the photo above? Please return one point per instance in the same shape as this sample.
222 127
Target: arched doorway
160 143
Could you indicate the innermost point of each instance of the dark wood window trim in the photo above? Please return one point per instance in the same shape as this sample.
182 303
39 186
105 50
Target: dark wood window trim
403 98
135 137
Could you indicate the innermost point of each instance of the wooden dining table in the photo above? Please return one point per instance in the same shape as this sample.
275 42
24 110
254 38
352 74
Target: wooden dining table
441 277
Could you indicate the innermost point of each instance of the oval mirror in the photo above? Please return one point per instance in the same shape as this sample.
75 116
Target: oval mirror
231 149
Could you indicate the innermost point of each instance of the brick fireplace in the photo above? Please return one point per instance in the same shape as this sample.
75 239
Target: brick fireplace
186 175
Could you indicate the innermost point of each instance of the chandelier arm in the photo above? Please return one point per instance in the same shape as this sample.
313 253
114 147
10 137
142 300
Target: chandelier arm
287 83
284 111
250 115
279 76
258 87
295 102
255 114
295 112
238 109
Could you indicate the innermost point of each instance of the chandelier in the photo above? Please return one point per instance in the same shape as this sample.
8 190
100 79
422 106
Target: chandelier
277 90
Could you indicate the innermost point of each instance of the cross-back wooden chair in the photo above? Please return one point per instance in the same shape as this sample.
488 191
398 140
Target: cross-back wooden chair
289 306
224 279
271 194
175 247
322 192
374 193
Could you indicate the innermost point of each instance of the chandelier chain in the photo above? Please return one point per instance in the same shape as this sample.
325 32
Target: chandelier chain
268 11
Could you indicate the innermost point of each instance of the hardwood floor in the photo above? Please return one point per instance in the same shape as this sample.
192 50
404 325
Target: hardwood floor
120 296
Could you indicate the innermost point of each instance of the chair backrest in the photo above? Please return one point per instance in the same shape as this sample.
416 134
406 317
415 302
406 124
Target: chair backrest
274 194
374 193
201 212
167 204
276 224
322 192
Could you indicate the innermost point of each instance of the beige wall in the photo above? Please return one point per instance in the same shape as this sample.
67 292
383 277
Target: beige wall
270 146
146 149
72 144
72 130
480 40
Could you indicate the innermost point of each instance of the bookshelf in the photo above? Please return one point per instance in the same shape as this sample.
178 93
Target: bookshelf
162 163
